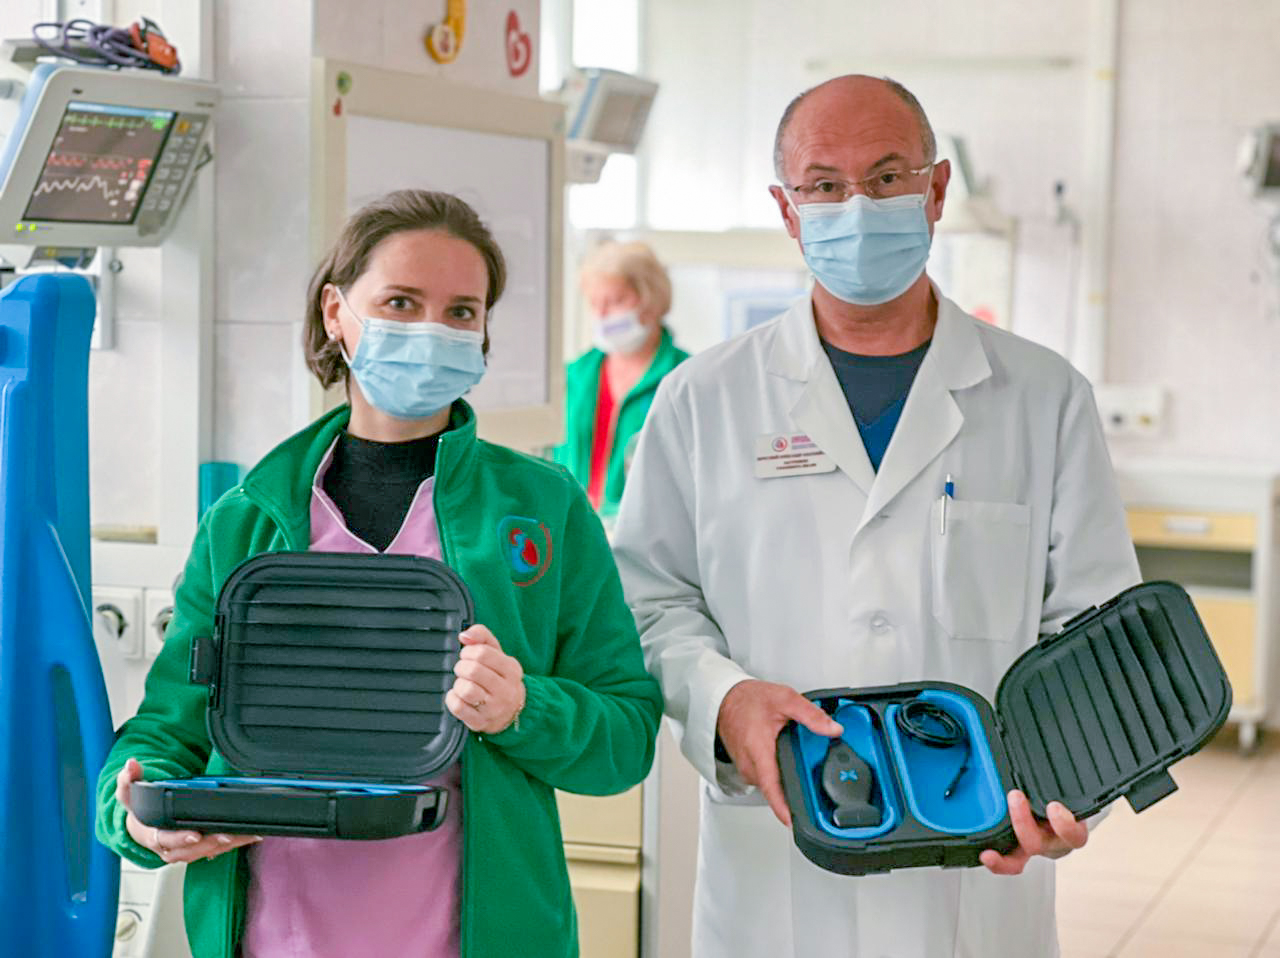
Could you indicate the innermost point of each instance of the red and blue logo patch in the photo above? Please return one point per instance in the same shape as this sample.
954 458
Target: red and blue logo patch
526 546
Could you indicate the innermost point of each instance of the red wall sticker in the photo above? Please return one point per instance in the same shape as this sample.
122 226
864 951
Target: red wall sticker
519 47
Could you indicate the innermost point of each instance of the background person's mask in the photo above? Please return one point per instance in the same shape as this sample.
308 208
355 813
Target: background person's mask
619 333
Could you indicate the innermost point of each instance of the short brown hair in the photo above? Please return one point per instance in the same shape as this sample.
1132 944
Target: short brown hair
348 259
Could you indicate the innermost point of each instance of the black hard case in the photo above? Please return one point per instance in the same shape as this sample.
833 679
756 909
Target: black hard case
327 674
1098 711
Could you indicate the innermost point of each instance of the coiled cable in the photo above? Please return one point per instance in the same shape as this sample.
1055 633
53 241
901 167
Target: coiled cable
934 726
142 45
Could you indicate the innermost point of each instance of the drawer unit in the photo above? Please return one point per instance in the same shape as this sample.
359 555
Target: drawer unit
602 842
611 820
606 893
1193 530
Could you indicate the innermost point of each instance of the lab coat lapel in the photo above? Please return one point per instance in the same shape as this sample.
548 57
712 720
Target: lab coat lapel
931 418
821 410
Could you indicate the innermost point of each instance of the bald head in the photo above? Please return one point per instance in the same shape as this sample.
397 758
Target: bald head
857 97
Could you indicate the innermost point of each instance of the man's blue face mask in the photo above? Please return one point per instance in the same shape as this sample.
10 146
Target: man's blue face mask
865 251
411 370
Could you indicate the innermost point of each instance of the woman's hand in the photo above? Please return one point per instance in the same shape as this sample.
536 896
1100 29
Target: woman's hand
489 691
172 846
1058 836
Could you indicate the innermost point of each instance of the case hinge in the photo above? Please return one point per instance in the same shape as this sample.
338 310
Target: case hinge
203 661
1147 791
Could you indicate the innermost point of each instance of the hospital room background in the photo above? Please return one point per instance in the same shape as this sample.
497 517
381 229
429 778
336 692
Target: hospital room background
1106 201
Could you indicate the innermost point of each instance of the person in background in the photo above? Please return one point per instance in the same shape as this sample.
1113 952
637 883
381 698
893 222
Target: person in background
550 680
611 386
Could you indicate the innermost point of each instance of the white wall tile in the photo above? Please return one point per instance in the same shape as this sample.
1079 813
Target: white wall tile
138 284
264 49
124 428
1189 309
17 17
254 366
263 222
349 31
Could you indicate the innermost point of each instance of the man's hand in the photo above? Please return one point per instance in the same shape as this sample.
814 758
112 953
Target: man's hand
751 716
1052 839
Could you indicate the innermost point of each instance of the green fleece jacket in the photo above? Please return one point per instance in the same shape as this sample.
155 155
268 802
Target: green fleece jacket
582 384
588 725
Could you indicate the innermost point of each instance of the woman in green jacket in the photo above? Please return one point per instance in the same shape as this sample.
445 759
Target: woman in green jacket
551 680
610 388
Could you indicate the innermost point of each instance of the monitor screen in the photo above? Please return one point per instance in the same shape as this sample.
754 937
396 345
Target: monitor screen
99 164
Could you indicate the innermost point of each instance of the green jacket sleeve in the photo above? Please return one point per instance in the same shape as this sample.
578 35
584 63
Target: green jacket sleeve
168 735
590 726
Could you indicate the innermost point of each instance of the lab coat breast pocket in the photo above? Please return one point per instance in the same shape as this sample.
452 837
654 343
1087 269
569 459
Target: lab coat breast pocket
980 567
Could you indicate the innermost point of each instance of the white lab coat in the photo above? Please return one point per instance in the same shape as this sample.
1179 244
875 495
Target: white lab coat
844 579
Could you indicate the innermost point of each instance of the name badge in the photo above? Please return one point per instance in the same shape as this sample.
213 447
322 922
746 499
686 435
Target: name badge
790 455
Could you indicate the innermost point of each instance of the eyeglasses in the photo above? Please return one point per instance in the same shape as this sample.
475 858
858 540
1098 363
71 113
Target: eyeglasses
879 186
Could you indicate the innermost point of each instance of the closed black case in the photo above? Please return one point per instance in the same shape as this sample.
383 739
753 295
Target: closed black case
1096 712
327 674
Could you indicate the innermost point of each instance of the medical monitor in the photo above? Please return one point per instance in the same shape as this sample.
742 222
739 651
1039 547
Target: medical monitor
608 107
100 157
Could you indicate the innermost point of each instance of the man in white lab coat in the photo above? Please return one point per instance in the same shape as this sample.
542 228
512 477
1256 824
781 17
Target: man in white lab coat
782 530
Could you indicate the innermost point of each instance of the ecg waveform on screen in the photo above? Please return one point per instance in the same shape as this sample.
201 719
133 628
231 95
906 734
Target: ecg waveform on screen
111 192
82 161
114 122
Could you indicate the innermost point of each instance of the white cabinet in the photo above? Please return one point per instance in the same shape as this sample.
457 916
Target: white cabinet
1213 528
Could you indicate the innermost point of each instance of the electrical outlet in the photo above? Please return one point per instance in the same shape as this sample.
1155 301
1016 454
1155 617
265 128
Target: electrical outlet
117 620
158 611
1130 411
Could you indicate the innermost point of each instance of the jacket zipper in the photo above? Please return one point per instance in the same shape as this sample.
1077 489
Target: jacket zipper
465 923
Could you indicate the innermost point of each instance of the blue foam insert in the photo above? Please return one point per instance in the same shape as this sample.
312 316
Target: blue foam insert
212 782
978 802
862 735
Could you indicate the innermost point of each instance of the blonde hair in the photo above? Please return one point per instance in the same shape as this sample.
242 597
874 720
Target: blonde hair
636 264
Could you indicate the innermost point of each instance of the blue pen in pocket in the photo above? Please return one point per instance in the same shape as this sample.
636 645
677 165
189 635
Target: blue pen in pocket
948 492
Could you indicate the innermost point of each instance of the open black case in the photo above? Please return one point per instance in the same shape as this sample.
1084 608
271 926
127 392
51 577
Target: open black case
327 675
1098 711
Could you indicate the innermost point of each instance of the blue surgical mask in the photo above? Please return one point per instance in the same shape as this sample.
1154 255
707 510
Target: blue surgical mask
411 370
865 251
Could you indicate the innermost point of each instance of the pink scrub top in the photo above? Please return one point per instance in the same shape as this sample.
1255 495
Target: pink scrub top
322 898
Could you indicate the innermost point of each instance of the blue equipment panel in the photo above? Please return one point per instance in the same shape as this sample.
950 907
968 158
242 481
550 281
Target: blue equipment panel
60 887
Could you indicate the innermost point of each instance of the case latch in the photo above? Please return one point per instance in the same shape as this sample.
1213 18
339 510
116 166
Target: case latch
1147 791
203 660
1079 617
